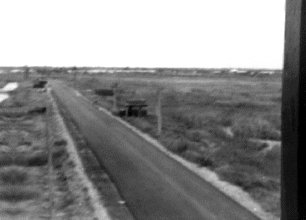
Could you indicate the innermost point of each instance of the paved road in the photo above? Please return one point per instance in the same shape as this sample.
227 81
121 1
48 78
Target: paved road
153 185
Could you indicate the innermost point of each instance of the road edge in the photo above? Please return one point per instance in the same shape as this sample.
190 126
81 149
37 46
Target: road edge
234 192
101 212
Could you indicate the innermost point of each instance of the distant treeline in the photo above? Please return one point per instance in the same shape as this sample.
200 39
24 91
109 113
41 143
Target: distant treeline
46 70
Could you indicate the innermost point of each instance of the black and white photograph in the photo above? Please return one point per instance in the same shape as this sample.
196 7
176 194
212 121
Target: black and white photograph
152 110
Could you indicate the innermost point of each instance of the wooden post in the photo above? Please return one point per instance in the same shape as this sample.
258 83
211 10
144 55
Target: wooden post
293 113
114 100
126 111
159 111
115 105
26 73
74 77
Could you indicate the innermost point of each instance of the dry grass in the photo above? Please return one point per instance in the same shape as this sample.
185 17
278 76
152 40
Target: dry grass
26 181
210 121
59 155
14 211
59 143
24 96
5 160
31 159
13 176
17 194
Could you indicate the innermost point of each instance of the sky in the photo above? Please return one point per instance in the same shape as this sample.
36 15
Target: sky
142 33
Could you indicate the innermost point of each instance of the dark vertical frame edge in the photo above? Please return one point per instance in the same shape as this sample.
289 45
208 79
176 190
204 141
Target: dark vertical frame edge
293 112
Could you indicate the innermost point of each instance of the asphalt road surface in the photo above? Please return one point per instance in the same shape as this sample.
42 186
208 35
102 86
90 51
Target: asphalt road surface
153 185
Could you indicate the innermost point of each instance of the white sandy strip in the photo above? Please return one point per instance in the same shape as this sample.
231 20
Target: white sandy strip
3 97
77 93
100 211
232 191
9 87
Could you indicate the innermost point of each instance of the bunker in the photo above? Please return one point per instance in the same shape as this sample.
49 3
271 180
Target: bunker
134 108
39 84
104 92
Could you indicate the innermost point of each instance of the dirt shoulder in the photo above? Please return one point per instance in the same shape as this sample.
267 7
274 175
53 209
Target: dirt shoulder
106 190
40 174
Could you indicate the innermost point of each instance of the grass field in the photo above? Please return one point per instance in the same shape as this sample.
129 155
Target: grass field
38 176
229 124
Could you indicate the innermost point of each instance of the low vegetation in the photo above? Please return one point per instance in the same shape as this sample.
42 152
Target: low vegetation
221 120
37 175
222 123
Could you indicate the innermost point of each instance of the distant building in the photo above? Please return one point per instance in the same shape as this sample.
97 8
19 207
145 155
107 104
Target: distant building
238 71
270 72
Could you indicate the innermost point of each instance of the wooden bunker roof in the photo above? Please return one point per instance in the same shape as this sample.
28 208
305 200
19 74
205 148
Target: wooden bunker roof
136 102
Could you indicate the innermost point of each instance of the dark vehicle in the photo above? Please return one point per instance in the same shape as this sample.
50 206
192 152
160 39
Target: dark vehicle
104 92
40 84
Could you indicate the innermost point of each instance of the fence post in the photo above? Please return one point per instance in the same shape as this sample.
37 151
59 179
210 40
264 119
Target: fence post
26 73
74 77
115 105
159 111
